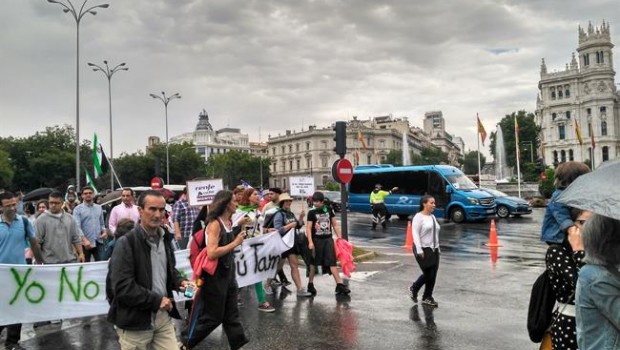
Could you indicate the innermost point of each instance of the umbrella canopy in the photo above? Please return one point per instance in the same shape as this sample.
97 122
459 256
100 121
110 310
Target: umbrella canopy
597 191
39 193
111 197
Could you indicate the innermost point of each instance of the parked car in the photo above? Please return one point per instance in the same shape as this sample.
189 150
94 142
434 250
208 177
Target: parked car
507 205
332 196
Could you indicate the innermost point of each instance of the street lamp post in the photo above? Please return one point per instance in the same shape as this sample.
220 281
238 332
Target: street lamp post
77 15
165 100
109 73
531 149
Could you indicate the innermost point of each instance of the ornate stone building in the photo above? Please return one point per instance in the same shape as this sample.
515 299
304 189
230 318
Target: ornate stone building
209 142
581 97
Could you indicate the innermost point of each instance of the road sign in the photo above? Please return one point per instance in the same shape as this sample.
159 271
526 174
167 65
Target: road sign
342 171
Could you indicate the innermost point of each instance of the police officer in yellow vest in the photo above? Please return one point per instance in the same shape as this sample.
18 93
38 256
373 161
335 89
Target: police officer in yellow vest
377 201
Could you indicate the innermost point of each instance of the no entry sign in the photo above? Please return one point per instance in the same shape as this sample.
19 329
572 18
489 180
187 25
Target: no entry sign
342 171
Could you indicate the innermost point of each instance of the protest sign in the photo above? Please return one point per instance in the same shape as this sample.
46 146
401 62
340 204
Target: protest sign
301 185
202 192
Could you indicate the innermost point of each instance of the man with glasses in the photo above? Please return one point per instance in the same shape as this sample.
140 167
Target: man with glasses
15 231
91 224
58 234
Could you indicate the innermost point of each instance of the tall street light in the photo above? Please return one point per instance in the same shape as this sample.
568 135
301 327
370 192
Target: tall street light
166 99
109 73
67 7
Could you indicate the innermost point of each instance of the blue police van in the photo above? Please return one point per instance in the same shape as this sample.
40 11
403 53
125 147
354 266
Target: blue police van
457 198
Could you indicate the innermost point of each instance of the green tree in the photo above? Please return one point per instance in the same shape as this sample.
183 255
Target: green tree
430 156
234 166
395 157
6 170
470 162
546 187
528 132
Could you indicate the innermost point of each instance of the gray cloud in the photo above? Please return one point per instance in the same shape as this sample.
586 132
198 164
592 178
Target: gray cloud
277 65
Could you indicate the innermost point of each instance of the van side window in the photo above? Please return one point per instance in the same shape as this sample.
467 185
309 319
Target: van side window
414 182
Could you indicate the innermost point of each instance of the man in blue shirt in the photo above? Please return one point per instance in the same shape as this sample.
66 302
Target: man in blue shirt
15 231
90 222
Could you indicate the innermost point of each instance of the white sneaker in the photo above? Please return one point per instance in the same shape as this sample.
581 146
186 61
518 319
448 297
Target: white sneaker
303 293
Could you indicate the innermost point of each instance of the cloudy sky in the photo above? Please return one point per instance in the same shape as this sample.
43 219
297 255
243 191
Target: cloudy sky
269 65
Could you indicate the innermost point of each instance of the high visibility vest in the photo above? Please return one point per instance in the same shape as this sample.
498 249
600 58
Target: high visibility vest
378 197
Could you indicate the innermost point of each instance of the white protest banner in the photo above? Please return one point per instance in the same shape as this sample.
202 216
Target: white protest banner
202 192
257 258
301 185
33 293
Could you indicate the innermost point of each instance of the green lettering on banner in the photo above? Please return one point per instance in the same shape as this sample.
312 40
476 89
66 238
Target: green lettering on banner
76 288
21 283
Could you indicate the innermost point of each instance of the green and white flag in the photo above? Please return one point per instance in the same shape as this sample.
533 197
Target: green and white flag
90 181
100 161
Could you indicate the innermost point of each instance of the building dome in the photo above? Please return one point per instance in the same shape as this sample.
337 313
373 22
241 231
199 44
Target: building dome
203 122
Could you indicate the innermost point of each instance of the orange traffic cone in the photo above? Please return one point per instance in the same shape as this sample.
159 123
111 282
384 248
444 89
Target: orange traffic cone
493 236
409 238
494 254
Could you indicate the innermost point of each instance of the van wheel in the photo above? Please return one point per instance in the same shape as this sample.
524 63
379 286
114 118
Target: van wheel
457 215
503 211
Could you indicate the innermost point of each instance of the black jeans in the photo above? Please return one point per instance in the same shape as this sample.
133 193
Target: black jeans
379 213
13 334
429 266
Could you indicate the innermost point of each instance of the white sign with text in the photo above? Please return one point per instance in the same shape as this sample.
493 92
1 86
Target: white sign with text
301 185
202 192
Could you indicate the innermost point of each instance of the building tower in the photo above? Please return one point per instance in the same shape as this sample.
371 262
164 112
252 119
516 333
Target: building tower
582 97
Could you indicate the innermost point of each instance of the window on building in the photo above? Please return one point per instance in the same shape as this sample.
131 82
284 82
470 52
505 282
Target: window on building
284 183
553 94
323 144
381 143
308 160
296 147
589 111
605 153
553 116
603 110
589 129
273 151
307 146
563 156
571 155
298 164
600 57
325 180
555 156
560 93
562 132
324 161
283 149
586 59
283 166
567 114
368 159
290 165
275 166
603 128
567 92
290 148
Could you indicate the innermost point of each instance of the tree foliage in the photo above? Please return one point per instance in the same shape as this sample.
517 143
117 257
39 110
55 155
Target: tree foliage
395 157
470 162
234 166
6 171
430 156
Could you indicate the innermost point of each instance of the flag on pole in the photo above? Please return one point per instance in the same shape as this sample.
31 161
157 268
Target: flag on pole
360 138
100 161
90 181
591 135
481 131
246 184
517 136
578 132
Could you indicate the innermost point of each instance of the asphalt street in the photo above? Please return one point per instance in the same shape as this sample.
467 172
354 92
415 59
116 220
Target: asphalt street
482 298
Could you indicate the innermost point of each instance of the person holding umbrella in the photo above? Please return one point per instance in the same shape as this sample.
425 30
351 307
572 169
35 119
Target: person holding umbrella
557 221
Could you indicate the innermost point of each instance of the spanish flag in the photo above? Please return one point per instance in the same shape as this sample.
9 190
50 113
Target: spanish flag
481 131
360 138
578 132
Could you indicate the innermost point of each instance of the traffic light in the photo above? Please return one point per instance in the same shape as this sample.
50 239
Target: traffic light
341 138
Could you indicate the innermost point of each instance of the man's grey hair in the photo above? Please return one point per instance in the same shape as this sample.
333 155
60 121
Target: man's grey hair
601 241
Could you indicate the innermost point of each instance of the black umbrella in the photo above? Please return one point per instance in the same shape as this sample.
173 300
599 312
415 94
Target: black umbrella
111 197
597 191
39 193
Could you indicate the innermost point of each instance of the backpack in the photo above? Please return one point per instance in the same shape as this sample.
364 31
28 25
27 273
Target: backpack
197 244
269 219
540 310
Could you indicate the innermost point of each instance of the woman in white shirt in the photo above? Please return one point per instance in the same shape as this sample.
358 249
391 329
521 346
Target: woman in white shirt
426 249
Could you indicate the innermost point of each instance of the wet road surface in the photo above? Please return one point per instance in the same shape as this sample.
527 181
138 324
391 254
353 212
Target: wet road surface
482 303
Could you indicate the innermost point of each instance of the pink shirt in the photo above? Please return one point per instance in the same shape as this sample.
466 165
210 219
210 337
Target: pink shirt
123 211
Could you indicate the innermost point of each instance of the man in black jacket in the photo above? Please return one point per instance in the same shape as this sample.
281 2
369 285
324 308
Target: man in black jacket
142 277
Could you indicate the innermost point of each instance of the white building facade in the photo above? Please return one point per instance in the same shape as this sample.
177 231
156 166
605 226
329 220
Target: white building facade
583 99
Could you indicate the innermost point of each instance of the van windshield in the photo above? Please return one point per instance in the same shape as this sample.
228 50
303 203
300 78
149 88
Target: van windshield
461 182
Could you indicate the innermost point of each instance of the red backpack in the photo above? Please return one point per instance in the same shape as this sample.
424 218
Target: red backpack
197 244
